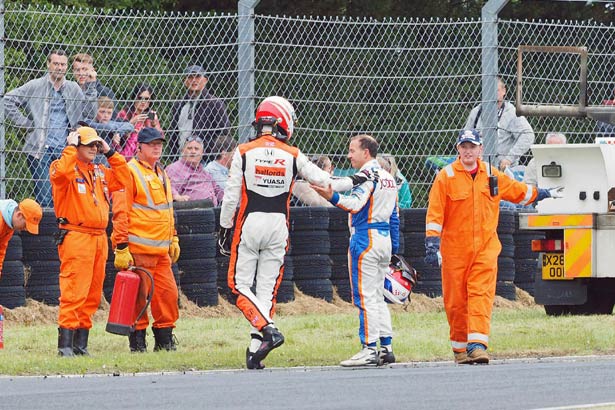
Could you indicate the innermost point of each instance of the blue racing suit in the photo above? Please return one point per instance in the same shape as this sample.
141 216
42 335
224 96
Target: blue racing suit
374 237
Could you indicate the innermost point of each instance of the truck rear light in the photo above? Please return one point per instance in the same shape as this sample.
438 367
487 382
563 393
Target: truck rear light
547 245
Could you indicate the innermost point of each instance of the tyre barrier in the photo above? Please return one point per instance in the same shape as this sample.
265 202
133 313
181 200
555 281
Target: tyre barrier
12 282
316 261
430 279
198 266
526 261
339 239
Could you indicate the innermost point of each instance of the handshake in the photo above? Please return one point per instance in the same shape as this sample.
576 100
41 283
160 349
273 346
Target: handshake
364 176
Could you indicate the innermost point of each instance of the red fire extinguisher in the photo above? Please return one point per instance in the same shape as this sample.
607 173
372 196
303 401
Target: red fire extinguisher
122 318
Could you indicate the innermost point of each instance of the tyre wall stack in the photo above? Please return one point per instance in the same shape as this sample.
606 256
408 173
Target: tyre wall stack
504 285
40 255
309 251
12 288
316 260
198 266
526 261
430 280
339 236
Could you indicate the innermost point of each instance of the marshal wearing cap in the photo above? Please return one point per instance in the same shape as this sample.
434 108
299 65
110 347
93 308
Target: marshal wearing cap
32 213
88 135
469 136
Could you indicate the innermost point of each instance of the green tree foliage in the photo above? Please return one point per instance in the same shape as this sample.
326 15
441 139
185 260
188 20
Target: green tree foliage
517 9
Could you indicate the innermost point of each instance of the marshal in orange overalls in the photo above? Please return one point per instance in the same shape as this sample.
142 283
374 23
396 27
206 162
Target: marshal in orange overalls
465 216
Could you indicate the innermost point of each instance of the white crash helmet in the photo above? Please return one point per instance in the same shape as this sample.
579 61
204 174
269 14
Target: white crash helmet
399 281
278 114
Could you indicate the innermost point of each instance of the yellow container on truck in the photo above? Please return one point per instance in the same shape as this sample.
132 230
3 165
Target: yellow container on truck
576 272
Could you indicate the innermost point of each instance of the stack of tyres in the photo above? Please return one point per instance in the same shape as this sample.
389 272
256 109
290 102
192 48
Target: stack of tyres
526 261
309 251
222 264
430 278
40 254
505 286
197 261
12 290
339 235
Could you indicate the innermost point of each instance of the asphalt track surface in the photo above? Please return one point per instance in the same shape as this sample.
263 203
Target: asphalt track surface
570 382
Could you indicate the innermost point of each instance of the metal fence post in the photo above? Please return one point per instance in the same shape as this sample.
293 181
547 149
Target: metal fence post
490 73
2 88
245 64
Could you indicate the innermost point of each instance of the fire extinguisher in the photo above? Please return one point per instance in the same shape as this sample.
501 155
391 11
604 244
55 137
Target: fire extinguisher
122 318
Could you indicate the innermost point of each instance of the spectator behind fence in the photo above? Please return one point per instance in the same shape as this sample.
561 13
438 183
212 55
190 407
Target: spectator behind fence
531 172
219 168
47 107
108 130
86 76
604 129
515 134
199 114
140 114
404 195
189 180
306 194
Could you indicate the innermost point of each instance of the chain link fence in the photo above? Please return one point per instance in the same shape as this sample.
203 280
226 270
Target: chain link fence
411 83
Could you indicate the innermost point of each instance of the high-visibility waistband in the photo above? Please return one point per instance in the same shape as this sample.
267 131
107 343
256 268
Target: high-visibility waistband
83 229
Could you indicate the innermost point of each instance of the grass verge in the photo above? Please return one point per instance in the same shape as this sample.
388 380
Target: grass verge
219 340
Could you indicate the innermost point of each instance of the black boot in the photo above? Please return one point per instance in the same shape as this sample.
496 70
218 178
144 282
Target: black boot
272 339
65 342
137 341
164 339
80 342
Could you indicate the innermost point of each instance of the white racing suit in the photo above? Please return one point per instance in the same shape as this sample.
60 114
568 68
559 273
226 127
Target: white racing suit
374 237
261 179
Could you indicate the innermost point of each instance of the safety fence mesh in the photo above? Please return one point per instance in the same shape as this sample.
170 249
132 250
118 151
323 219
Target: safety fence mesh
409 82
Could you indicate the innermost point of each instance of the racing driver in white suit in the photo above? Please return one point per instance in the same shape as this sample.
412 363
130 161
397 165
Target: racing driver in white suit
261 179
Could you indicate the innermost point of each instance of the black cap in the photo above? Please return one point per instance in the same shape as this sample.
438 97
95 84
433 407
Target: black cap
149 134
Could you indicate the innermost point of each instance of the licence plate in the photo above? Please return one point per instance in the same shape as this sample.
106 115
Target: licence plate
553 266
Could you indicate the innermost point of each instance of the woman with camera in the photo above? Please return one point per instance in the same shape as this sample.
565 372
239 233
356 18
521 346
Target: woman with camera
140 114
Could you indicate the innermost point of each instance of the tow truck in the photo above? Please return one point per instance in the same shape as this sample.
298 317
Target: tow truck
576 272
576 263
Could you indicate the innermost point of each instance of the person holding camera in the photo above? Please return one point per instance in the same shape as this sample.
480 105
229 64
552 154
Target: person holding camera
81 192
141 115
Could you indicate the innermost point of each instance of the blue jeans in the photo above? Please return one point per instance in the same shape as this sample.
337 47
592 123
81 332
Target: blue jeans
39 168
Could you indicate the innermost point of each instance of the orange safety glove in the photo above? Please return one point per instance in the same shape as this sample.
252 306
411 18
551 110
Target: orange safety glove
174 250
123 258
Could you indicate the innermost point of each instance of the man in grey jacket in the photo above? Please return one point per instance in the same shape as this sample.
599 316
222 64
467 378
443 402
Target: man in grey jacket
515 134
47 108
